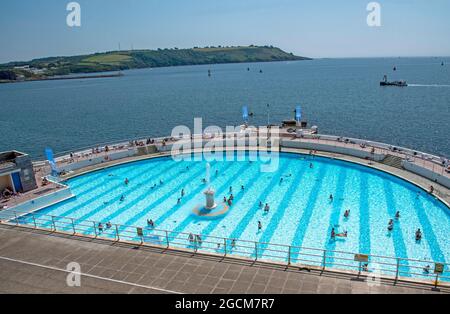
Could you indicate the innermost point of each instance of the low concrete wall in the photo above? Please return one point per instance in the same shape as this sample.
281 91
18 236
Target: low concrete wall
37 203
98 160
333 149
433 176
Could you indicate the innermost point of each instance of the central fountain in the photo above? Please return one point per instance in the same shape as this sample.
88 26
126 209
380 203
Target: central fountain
211 209
209 193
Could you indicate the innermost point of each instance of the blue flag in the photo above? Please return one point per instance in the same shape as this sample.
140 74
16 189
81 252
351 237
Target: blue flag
51 161
298 113
245 113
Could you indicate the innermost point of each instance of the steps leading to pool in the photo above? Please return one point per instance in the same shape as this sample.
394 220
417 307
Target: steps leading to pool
393 161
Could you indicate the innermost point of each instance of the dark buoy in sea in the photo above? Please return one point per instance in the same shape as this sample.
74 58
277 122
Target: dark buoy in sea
260 71
248 69
442 64
209 73
395 68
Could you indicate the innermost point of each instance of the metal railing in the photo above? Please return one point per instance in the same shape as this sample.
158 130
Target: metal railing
375 266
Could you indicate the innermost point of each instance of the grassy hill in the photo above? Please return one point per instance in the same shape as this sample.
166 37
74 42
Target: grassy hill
133 59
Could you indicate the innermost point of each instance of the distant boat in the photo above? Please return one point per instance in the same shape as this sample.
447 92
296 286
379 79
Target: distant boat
385 82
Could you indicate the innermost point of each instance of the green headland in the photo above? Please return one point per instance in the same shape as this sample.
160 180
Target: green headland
46 68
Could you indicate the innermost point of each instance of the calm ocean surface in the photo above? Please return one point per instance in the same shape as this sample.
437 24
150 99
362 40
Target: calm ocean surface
341 96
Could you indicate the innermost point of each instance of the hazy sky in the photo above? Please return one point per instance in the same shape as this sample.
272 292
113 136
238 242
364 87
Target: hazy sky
315 28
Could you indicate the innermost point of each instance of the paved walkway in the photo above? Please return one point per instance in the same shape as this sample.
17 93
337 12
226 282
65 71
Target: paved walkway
33 261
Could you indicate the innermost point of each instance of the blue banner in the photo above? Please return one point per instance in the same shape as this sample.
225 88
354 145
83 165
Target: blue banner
298 113
245 113
51 161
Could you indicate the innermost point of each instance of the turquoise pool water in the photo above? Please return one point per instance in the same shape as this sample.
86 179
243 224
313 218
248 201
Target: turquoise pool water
301 213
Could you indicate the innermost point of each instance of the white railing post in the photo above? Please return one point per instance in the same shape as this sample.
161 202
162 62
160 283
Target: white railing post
117 233
225 246
53 223
95 228
359 269
397 272
324 259
167 239
17 220
73 226
34 221
256 251
289 256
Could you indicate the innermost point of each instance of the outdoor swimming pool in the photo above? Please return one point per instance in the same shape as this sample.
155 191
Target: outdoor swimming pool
301 212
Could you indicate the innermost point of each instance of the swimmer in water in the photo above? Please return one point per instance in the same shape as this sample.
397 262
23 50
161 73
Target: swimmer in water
231 189
347 213
150 223
182 192
311 165
397 215
122 198
266 208
126 181
331 197
391 225
259 225
224 199
108 225
418 235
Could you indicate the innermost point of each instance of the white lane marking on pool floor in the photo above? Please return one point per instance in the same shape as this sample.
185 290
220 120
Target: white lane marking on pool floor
87 275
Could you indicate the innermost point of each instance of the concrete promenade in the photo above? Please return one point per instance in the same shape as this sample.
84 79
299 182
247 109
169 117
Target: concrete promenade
33 261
